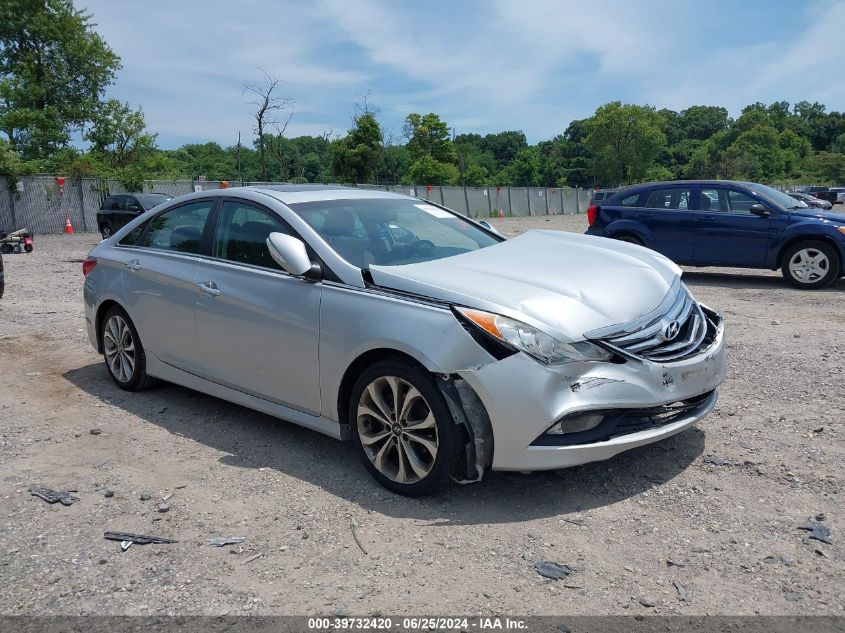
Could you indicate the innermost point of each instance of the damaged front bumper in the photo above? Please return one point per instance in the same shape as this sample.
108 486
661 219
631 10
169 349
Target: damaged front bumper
639 402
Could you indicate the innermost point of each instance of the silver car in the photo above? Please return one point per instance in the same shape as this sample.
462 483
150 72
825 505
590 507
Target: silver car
436 346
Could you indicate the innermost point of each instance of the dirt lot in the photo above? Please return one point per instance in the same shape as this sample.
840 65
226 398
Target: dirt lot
714 509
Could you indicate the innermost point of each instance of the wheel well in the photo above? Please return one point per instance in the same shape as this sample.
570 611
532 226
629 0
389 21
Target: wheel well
360 364
101 311
807 238
625 233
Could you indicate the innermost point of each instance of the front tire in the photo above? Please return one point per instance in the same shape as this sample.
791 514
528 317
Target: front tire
810 265
123 352
402 428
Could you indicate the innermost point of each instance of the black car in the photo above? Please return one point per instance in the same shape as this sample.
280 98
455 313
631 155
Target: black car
120 209
822 193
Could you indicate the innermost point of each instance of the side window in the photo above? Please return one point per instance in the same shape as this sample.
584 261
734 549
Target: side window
178 229
740 202
630 201
131 238
713 200
668 199
241 234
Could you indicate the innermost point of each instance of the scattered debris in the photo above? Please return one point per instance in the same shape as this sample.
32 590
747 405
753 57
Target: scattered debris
700 548
576 520
163 507
140 539
146 496
95 431
108 494
817 530
167 496
648 601
220 541
683 592
672 563
358 540
822 553
770 560
716 461
555 571
180 486
792 596
125 545
252 558
54 496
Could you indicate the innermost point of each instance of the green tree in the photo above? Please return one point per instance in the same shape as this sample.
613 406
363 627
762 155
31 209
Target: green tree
120 135
355 156
428 171
428 135
53 71
524 171
838 144
625 141
702 122
10 164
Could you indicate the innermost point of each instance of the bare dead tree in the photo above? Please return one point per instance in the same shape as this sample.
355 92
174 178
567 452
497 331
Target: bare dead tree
267 107
276 146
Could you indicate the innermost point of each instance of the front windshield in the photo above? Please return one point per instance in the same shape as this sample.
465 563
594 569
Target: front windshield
391 231
776 197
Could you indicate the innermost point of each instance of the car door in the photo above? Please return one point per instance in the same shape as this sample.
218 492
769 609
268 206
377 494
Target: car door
667 217
257 325
160 261
726 232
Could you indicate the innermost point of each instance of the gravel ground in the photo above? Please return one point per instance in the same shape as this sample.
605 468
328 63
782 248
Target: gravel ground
702 523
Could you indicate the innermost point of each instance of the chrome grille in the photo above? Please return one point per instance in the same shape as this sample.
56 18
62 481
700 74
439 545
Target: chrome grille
676 329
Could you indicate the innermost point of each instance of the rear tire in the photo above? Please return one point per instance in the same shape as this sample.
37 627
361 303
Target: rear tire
5 249
630 239
123 352
402 428
810 265
27 248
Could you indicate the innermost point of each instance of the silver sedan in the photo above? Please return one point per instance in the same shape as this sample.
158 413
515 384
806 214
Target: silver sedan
436 346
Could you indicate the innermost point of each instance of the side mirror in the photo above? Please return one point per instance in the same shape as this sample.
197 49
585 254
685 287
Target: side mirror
489 226
289 253
759 209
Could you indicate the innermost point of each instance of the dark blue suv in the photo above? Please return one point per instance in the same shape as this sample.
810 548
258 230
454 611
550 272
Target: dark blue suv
725 223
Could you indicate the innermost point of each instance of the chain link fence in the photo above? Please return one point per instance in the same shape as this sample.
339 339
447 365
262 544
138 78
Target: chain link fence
44 204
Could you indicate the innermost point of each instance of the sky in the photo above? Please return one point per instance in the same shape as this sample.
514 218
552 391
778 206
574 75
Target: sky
482 65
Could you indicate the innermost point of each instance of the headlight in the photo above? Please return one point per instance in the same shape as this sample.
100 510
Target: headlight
532 341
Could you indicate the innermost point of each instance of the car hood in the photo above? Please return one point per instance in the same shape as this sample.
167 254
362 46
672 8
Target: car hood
563 283
821 214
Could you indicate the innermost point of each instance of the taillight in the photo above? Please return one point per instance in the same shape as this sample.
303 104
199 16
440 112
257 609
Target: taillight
88 265
592 210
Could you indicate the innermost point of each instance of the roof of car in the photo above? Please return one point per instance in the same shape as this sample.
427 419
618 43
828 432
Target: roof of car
674 183
293 194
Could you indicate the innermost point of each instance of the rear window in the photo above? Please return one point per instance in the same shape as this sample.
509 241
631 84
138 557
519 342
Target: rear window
150 200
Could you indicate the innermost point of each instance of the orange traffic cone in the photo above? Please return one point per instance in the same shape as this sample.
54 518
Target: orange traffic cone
68 226
501 214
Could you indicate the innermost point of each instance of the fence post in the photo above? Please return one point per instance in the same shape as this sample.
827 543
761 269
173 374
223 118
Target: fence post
82 205
562 210
510 206
547 200
442 199
466 201
12 210
528 196
489 203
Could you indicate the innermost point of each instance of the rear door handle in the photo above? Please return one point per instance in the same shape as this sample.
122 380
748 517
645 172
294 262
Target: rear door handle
209 287
133 264
646 215
706 218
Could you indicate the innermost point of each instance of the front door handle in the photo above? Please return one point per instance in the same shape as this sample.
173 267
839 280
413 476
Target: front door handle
706 218
209 287
133 264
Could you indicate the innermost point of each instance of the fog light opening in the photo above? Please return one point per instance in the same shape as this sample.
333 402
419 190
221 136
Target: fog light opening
576 423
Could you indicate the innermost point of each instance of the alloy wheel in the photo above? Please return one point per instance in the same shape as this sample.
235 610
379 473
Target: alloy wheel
119 348
397 429
809 265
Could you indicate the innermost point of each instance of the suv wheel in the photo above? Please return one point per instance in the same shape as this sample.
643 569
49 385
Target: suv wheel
402 428
105 230
123 352
810 265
